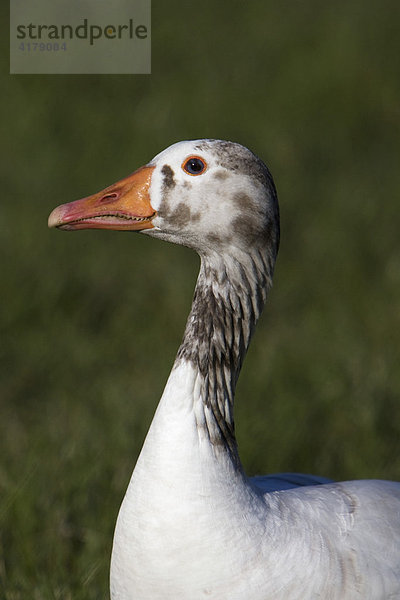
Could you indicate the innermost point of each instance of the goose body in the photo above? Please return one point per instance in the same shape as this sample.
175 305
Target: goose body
192 525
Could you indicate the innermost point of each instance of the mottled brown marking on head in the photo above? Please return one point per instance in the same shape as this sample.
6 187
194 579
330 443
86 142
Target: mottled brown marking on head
235 157
221 174
164 210
248 228
181 215
244 202
168 180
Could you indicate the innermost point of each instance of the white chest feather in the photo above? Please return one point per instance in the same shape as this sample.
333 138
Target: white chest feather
182 516
192 525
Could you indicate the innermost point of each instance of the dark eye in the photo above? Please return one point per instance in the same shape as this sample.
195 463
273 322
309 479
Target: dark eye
194 165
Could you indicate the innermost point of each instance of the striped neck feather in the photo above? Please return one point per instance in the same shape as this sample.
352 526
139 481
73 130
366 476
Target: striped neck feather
229 296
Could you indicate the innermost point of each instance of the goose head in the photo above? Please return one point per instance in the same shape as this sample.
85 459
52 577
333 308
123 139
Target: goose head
211 195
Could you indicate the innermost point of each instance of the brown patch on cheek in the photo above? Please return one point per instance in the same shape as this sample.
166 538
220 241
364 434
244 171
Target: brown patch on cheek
247 228
250 223
164 210
168 178
221 174
243 202
168 184
181 216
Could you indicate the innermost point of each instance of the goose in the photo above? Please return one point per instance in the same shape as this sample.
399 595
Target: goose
192 524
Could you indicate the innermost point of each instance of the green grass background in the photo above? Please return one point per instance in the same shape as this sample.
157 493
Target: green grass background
90 321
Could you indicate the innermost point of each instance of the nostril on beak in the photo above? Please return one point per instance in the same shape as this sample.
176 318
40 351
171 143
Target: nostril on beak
108 198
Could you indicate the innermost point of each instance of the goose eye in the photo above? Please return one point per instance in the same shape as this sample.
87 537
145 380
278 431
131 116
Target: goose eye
194 165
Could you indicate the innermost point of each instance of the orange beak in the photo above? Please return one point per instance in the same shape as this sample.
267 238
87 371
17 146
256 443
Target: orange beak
125 206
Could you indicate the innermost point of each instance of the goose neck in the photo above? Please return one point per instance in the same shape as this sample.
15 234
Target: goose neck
229 296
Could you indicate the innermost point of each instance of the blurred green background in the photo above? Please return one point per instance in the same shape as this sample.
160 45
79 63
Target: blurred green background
90 321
